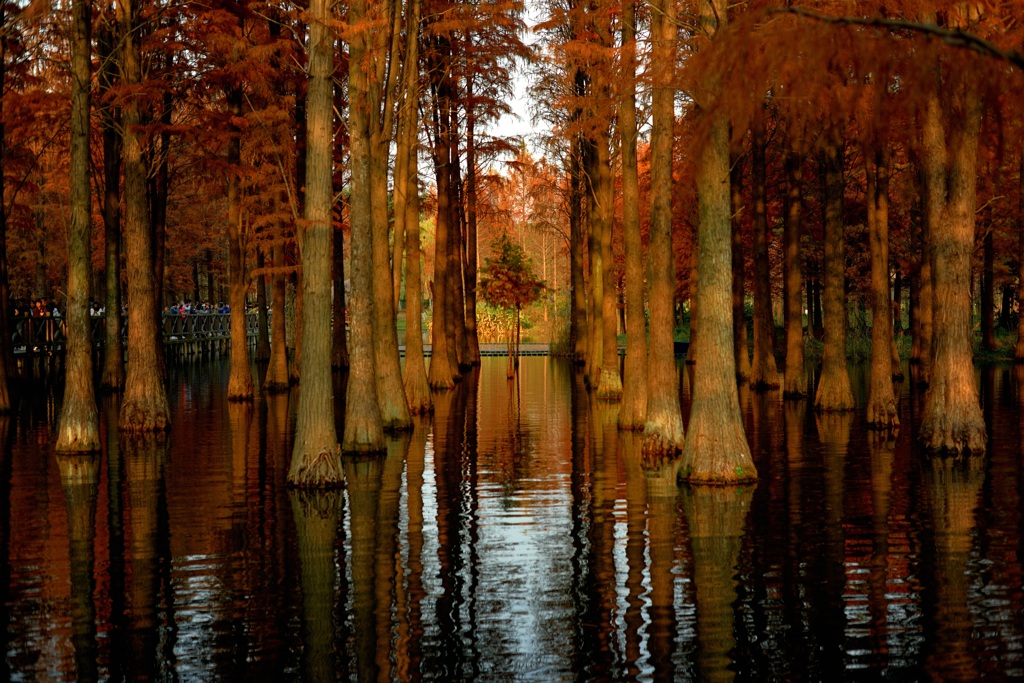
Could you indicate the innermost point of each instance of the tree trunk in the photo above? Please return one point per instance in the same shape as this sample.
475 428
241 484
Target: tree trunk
144 408
457 263
595 310
277 378
633 411
414 374
764 373
609 385
926 310
79 428
739 319
952 420
262 323
897 302
834 391
694 283
578 313
663 433
988 294
442 374
315 457
881 409
112 376
1019 351
470 273
339 331
716 449
795 378
240 384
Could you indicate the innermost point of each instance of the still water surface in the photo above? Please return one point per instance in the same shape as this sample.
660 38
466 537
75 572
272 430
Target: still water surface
516 535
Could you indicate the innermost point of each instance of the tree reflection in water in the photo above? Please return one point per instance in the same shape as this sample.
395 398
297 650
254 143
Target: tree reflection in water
513 536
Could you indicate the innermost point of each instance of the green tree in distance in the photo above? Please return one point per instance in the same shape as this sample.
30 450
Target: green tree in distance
507 281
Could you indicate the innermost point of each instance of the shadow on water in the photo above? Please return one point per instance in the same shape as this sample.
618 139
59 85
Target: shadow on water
515 535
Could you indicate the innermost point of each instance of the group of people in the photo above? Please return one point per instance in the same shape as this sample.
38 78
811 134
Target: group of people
40 307
188 307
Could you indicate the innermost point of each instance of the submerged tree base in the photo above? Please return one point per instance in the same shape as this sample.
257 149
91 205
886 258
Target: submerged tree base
882 414
319 471
954 434
609 387
663 439
144 415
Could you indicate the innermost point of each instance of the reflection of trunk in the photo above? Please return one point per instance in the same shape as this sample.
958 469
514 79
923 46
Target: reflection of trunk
881 409
636 551
662 522
716 449
315 454
1019 352
739 315
388 581
663 433
144 467
276 380
834 391
951 491
795 379
716 517
145 400
410 625
764 375
79 428
830 622
952 419
881 446
316 516
363 477
79 477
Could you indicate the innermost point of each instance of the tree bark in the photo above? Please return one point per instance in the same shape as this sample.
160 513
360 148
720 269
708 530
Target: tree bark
277 378
471 266
988 294
764 373
952 421
578 313
595 298
609 384
79 428
926 299
739 319
716 449
339 336
834 391
240 384
663 432
442 374
881 409
795 377
112 375
633 411
315 457
262 324
1019 351
144 408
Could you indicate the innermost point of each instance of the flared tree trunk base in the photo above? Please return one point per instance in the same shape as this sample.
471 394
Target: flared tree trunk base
956 429
716 450
632 417
663 439
320 471
276 387
362 436
609 387
79 431
144 414
834 393
882 414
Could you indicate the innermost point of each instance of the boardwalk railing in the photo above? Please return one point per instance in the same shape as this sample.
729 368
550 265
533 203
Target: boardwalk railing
184 334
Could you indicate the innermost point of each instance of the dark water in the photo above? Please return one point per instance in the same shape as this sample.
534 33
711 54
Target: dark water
515 536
